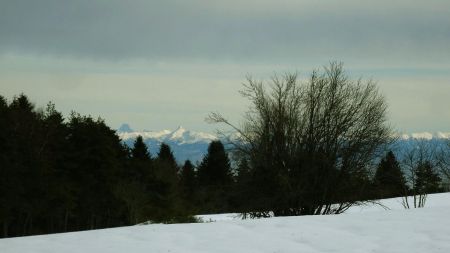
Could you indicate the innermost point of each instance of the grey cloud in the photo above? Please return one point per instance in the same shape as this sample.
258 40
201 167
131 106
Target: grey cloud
237 30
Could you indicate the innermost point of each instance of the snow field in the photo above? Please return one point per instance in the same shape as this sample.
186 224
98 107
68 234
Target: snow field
364 229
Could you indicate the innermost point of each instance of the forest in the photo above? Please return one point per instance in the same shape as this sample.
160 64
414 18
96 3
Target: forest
304 148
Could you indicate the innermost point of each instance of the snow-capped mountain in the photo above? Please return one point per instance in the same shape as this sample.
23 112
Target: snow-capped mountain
425 136
125 128
179 135
185 144
193 145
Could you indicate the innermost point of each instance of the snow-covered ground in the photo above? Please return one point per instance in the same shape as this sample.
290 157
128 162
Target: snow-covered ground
371 228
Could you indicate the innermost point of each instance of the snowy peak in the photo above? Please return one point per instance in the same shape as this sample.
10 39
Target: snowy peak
425 136
183 136
125 128
185 144
179 135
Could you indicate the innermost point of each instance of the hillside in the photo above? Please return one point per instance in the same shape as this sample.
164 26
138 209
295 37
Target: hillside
367 229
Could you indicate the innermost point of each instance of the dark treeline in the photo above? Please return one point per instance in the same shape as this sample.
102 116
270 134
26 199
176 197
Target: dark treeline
303 149
59 175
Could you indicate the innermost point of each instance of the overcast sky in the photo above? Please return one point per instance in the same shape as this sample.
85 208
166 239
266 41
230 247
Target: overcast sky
160 64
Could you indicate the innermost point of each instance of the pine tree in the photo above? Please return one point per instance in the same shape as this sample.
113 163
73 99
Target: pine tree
56 181
96 164
25 166
140 150
58 176
215 167
135 189
140 162
167 198
188 181
427 180
6 173
389 180
165 155
215 179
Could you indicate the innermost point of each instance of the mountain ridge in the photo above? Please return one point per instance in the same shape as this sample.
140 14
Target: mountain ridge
185 144
192 145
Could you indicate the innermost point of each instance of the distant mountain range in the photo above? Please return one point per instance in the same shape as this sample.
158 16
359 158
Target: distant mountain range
193 145
185 144
425 136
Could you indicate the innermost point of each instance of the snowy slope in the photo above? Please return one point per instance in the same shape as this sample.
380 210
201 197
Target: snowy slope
364 230
433 200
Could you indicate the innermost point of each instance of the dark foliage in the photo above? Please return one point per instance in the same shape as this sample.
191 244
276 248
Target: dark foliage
58 176
389 180
427 179
215 180
188 183
309 145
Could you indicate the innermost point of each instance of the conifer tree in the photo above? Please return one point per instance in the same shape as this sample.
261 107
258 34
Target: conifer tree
6 177
140 150
215 178
167 198
141 161
188 181
166 156
188 177
215 167
389 180
427 180
96 162
136 188
56 181
25 166
58 176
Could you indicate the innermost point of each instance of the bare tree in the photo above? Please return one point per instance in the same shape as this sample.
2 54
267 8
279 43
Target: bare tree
443 159
309 144
421 154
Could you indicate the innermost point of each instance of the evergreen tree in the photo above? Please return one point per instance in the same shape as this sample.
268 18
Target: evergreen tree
96 163
166 156
215 167
427 180
58 176
167 198
140 150
188 177
58 200
389 180
135 188
141 161
215 178
7 180
188 183
25 165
